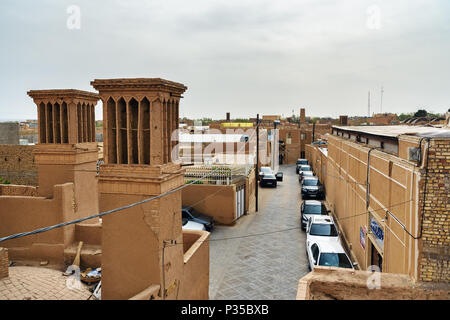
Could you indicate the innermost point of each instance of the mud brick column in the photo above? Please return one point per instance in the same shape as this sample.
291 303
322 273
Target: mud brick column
67 151
139 116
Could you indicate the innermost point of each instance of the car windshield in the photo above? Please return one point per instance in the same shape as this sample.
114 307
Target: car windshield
334 260
194 213
185 220
270 176
320 229
305 168
266 170
310 182
308 173
313 209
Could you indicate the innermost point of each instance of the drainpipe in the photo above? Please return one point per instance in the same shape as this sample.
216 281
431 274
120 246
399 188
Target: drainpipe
425 184
368 180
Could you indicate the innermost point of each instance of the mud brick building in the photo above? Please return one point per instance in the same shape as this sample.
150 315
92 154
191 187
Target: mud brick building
389 190
145 252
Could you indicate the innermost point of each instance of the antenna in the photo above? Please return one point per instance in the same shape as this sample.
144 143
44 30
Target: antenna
381 101
368 106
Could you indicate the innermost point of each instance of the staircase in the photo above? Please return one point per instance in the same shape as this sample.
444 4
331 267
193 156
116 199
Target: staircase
91 252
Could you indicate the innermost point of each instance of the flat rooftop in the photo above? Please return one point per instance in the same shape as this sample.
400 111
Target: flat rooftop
395 131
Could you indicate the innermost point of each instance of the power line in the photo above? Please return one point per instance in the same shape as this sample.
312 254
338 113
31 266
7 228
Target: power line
45 229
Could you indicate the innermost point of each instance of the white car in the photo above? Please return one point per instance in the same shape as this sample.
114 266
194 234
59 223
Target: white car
265 170
319 228
328 253
192 225
305 174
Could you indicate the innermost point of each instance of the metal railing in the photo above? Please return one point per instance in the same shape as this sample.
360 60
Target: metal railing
222 174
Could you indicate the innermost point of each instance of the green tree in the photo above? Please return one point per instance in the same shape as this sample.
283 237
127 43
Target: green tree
421 113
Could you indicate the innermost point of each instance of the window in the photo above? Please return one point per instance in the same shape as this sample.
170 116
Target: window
313 209
325 230
315 252
310 182
335 260
303 136
288 138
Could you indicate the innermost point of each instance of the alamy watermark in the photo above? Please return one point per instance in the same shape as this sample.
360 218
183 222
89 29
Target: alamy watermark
373 17
74 19
374 280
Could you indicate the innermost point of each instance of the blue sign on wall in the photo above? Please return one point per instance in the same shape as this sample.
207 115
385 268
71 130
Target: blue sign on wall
378 232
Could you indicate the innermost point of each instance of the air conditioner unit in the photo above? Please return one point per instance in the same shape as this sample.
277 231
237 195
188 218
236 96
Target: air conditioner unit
413 154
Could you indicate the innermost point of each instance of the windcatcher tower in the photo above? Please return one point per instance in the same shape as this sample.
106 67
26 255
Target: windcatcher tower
67 151
139 118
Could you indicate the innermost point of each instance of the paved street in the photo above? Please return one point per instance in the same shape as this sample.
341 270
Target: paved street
249 265
39 283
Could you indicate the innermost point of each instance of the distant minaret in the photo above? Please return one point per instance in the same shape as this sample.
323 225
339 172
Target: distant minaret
368 106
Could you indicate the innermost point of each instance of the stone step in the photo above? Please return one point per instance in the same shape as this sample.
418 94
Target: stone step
91 255
89 233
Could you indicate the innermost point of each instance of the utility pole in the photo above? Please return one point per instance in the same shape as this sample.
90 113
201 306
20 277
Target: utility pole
381 101
257 162
313 131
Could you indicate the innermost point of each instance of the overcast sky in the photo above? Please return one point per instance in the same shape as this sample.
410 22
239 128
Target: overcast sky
238 56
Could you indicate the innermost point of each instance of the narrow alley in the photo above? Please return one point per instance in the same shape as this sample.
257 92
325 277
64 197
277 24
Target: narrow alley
256 261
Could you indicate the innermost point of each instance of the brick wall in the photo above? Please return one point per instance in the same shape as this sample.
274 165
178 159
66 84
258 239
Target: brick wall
17 164
434 262
4 263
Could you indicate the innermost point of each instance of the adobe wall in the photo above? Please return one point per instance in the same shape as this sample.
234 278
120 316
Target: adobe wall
317 160
250 200
140 229
292 151
17 190
217 201
435 254
4 263
9 133
195 282
17 164
330 283
25 213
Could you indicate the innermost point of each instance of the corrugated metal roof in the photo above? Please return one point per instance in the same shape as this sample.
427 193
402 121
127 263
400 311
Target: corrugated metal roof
395 131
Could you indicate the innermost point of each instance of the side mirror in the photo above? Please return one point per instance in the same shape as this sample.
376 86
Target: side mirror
355 264
328 211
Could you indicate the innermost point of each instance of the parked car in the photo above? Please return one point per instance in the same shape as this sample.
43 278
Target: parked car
192 225
312 188
193 215
311 208
265 170
303 168
329 253
268 180
299 163
320 227
268 171
305 174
